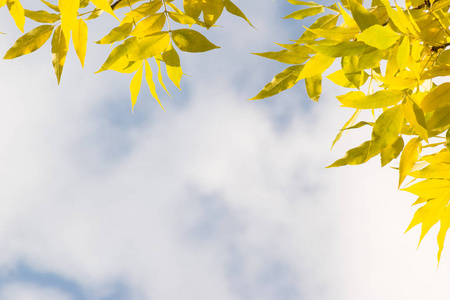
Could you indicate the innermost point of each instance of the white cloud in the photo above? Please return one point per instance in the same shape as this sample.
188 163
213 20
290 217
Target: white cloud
30 292
210 200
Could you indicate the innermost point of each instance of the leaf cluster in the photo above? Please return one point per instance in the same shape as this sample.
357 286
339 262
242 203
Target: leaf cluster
393 61
145 30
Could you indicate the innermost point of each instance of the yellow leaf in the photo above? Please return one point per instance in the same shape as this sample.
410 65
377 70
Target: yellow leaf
392 151
403 53
314 87
17 12
282 81
2 3
415 117
347 18
303 13
429 214
437 170
173 66
362 16
380 99
316 66
149 46
285 56
430 188
80 38
212 9
117 34
105 6
117 53
149 25
69 12
41 16
438 97
160 79
408 159
191 41
30 41
151 83
193 8
380 37
349 123
233 9
182 18
386 130
135 86
445 225
59 52
355 156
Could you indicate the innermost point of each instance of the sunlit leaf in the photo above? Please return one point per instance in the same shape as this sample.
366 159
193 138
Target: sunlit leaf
379 37
151 83
282 81
117 34
17 12
30 41
408 159
80 38
135 86
380 99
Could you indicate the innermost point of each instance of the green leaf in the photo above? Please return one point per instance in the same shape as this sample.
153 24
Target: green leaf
415 117
391 152
59 52
314 87
380 99
191 41
282 81
30 41
386 130
303 13
379 37
42 16
355 156
438 97
285 56
117 34
149 46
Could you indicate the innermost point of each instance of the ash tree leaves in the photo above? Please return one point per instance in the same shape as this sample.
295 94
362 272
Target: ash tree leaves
152 30
394 60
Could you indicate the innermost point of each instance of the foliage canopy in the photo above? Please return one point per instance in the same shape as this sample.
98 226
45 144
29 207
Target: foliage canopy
392 58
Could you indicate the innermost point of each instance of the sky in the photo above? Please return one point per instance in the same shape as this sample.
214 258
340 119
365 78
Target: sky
218 197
